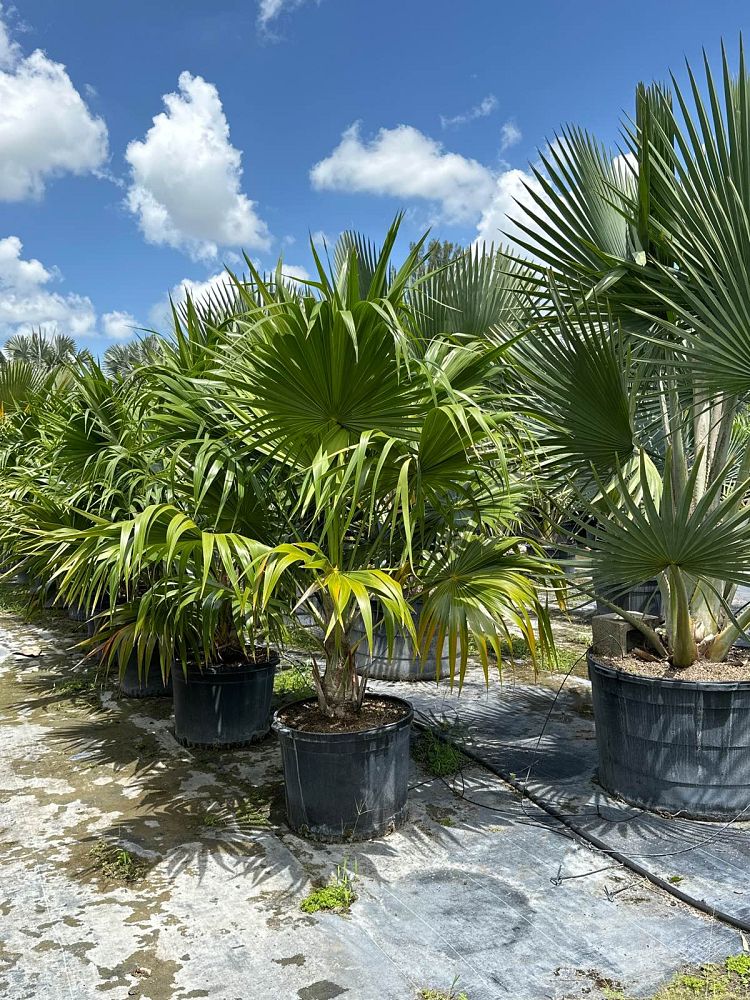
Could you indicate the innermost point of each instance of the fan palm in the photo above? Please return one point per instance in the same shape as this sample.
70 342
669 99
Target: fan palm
318 449
638 353
42 350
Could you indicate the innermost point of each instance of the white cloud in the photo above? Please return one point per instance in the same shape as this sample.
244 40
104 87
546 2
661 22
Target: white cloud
295 274
186 177
405 163
10 51
28 302
510 135
481 110
46 129
119 325
270 10
199 291
511 187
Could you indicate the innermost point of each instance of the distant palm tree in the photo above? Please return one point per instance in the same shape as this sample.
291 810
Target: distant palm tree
121 359
41 350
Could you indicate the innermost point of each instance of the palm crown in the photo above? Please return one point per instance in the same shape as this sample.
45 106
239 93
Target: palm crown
638 356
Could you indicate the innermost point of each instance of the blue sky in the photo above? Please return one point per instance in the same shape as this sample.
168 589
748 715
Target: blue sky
288 117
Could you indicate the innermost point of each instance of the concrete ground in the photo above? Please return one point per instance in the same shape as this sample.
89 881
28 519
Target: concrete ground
211 905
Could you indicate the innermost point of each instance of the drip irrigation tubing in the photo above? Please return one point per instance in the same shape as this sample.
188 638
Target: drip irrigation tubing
590 838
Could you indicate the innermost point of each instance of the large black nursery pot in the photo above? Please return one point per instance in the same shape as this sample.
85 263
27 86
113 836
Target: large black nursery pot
403 663
675 746
346 786
149 683
223 705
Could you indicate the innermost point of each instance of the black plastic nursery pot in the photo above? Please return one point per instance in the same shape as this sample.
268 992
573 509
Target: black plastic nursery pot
643 599
149 684
223 705
346 786
674 746
403 663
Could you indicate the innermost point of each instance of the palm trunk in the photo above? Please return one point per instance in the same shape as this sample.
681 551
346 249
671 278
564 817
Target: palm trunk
684 648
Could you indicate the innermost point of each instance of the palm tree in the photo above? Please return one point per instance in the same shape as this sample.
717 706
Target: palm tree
121 360
42 350
325 448
637 358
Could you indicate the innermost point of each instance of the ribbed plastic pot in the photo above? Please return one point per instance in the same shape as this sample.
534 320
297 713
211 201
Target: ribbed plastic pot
402 664
217 707
346 786
671 745
149 685
645 599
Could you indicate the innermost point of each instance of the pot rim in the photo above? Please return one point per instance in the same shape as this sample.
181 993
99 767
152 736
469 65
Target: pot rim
671 682
232 670
280 726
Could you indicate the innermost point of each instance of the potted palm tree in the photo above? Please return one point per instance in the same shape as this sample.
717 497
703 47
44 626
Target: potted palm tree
393 447
637 359
330 447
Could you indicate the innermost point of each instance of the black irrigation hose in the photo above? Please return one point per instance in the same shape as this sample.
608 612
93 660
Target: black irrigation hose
590 838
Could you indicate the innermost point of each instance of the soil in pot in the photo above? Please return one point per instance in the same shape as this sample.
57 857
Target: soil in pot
346 779
671 743
224 704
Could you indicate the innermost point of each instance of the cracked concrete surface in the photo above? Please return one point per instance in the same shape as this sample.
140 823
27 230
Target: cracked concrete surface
464 890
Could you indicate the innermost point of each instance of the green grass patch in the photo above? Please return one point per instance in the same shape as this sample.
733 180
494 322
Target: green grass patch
449 994
515 649
15 599
337 895
116 863
565 660
294 682
728 980
436 756
80 686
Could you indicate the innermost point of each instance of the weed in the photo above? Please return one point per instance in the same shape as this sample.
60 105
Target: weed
254 810
449 994
117 863
80 686
436 756
728 981
516 649
564 660
442 816
294 682
739 965
675 879
337 895
14 599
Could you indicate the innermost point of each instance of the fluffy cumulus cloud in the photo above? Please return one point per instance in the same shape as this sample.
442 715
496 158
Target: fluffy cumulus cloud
510 195
186 177
119 325
28 299
405 163
204 290
46 128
